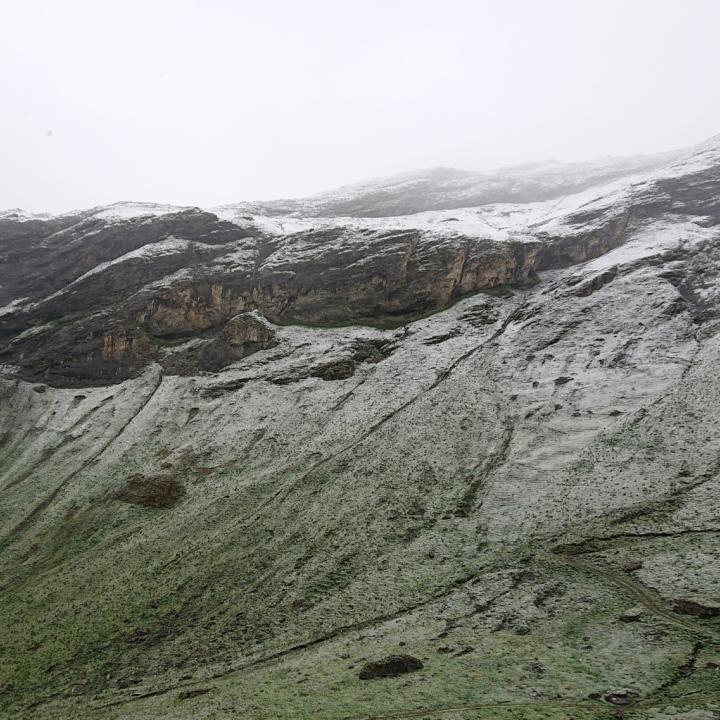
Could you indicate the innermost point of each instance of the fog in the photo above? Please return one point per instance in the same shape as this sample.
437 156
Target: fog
218 101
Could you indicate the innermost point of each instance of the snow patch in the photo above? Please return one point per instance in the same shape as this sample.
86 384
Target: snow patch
12 307
168 246
130 210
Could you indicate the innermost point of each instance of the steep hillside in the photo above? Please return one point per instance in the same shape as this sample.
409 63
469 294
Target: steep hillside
247 456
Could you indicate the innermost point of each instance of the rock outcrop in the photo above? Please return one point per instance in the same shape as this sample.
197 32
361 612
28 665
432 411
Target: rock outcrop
103 290
698 607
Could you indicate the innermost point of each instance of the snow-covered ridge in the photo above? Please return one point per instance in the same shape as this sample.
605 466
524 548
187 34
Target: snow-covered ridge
499 222
459 188
169 246
107 236
165 247
129 210
447 188
20 215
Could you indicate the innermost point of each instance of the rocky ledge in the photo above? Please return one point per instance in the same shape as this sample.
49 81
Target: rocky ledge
94 297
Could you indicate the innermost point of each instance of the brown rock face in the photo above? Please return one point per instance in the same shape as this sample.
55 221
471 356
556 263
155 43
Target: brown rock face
191 309
115 347
390 667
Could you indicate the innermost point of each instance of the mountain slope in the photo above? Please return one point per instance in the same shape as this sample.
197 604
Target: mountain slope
518 489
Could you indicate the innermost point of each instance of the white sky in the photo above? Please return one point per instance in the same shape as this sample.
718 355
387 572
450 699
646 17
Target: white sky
224 100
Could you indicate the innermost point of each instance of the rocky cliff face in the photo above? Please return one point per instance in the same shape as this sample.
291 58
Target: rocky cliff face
311 459
94 297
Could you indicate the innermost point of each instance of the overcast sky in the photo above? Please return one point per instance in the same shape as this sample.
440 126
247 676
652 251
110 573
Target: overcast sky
222 100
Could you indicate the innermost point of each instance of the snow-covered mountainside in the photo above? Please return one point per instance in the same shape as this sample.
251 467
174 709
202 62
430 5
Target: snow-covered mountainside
440 446
447 189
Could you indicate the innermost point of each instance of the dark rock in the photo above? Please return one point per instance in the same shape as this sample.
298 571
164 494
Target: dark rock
562 380
437 339
137 636
159 491
464 651
391 666
338 370
620 697
479 315
596 283
632 566
697 607
546 593
371 351
187 694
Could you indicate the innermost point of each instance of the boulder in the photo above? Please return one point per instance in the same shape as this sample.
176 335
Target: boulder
622 696
633 614
242 335
391 666
249 332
